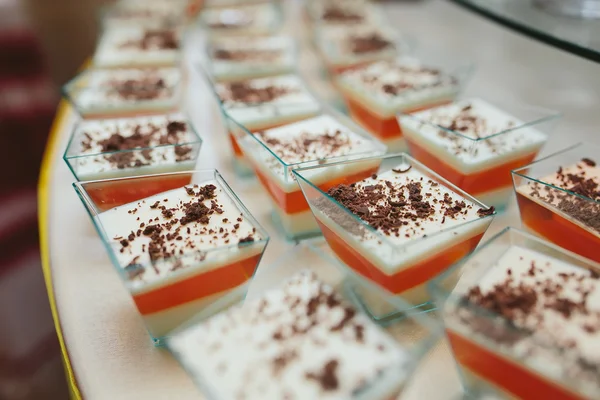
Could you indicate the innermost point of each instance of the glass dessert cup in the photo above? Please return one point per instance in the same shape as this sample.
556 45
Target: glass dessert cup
377 92
271 110
139 47
146 13
125 92
192 264
342 13
475 144
314 143
285 349
504 326
426 225
229 59
343 48
103 149
562 211
243 20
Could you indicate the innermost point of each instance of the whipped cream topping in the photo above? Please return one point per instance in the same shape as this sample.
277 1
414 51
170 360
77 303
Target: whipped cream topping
261 17
123 44
146 13
473 131
404 204
400 82
106 88
356 41
173 231
583 179
553 309
254 100
349 12
301 341
104 145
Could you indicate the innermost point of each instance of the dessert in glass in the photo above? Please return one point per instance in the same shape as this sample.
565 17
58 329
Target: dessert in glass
559 199
112 93
377 92
242 20
475 144
149 13
275 153
347 12
521 316
345 47
183 243
231 3
263 103
109 148
138 46
231 59
399 228
303 340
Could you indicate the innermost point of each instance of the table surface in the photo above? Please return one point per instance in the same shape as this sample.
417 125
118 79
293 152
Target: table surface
107 345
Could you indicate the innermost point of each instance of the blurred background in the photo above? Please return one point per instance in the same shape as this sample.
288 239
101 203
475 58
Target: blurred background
42 43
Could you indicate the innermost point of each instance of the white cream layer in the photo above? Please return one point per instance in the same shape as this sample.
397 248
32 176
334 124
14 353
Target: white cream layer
212 248
245 19
113 50
365 85
391 254
91 94
150 13
276 363
283 63
297 104
496 139
89 163
556 342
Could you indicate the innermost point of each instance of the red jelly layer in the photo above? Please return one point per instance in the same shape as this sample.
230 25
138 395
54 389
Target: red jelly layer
558 229
406 278
504 373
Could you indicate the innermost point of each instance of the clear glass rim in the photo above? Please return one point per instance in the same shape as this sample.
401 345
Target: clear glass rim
197 139
375 232
551 115
80 189
522 172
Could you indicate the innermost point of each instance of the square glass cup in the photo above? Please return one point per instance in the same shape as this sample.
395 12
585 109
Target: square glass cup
495 356
92 96
165 158
264 18
565 217
342 13
224 70
402 269
188 284
147 13
479 164
375 108
262 115
291 212
410 339
135 46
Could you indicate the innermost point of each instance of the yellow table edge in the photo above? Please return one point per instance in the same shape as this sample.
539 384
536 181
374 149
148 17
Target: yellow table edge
43 207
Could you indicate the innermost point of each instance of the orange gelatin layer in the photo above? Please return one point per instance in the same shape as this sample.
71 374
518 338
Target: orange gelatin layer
407 278
294 202
198 286
110 194
478 182
558 229
503 372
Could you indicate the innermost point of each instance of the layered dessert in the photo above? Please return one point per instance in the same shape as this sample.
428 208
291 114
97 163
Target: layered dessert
230 3
302 341
527 325
135 46
343 47
248 19
564 206
274 153
149 13
398 228
106 93
377 92
231 59
264 103
474 145
101 149
346 12
182 251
